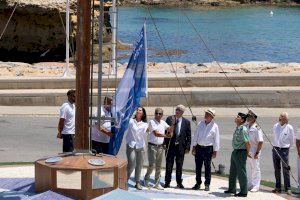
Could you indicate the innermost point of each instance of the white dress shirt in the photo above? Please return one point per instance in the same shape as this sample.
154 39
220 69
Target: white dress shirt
283 135
178 127
207 135
157 126
255 136
97 135
67 112
136 134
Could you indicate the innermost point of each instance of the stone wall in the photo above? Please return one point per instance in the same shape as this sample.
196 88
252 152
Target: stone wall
36 32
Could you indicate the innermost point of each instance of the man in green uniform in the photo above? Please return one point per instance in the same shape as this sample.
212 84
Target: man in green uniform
241 149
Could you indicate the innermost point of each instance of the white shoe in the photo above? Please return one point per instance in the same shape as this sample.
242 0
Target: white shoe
254 190
158 186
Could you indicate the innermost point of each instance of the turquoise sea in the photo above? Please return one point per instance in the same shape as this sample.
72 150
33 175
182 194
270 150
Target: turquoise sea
233 34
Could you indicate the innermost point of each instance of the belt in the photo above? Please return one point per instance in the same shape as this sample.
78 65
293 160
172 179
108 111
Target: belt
202 147
281 148
240 149
156 145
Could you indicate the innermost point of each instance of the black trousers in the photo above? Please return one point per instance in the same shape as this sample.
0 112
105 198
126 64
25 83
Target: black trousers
100 147
203 155
174 154
68 142
284 154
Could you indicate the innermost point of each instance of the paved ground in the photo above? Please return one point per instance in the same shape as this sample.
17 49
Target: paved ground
217 188
29 136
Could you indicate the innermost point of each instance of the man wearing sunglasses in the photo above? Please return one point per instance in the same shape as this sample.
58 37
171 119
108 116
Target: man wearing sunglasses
177 146
157 129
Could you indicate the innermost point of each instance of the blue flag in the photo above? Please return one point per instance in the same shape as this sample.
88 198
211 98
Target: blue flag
131 88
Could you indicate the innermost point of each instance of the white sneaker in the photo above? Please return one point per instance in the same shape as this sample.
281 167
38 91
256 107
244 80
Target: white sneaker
254 190
158 186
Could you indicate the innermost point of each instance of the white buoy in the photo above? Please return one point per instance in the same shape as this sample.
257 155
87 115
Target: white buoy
271 13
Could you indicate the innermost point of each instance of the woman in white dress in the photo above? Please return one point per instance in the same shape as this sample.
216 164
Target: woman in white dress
135 140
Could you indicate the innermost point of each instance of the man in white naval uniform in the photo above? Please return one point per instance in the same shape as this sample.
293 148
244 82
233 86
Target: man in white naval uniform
256 143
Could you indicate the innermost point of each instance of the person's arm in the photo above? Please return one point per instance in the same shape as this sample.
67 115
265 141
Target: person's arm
259 147
298 146
105 131
247 141
60 127
194 142
260 140
248 146
188 137
292 136
216 145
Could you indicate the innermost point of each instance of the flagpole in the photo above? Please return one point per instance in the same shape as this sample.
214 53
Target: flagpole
146 60
67 70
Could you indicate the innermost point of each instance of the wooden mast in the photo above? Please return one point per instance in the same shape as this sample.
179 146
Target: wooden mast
83 43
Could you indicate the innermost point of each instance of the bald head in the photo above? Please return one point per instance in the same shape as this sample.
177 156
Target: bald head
283 118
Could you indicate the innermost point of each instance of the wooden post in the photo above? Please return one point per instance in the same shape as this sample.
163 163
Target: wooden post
83 48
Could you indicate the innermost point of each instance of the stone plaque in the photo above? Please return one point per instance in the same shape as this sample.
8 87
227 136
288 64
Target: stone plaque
68 179
103 178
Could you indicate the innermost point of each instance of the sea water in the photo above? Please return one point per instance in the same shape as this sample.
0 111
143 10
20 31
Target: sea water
232 35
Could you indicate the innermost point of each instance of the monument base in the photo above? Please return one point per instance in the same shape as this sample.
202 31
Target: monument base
75 177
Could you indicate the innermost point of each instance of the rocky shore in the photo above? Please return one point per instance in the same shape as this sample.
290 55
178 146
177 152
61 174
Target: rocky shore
46 69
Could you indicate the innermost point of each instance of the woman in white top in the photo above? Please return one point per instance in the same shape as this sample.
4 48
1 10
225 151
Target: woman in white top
135 140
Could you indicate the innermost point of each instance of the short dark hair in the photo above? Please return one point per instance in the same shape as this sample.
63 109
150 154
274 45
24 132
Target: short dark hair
243 116
70 92
107 101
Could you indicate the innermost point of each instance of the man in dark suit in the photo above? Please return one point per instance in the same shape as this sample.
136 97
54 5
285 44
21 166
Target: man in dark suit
177 146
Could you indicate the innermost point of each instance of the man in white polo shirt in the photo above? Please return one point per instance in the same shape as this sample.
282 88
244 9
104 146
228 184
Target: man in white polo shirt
157 128
66 125
283 140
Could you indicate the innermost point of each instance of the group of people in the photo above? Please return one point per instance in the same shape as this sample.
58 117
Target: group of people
172 138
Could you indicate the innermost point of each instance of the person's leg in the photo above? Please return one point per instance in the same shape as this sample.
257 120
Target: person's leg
277 168
249 165
151 160
105 148
285 170
179 164
96 146
207 164
199 162
159 156
232 172
170 155
68 142
241 171
298 165
139 163
131 160
256 175
72 141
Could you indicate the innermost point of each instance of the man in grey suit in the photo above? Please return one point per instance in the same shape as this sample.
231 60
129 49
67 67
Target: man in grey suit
177 146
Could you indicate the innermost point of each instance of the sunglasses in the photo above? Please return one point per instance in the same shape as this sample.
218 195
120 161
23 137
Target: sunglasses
158 113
